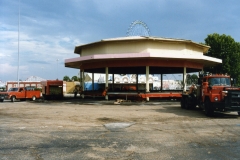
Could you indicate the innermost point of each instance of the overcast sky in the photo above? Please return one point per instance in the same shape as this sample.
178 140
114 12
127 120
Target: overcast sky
50 29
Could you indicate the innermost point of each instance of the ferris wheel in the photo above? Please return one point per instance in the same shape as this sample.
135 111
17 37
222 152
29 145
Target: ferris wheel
138 28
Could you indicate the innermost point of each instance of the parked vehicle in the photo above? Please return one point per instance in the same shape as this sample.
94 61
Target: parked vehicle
20 93
52 89
212 93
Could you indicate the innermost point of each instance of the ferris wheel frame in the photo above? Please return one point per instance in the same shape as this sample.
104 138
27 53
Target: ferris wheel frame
134 24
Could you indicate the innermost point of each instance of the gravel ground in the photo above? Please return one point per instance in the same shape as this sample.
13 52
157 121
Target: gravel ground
99 129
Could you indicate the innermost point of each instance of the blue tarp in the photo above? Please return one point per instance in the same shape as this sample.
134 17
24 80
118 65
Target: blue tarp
88 86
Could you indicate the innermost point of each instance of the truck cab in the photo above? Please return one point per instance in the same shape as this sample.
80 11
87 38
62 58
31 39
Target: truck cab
213 87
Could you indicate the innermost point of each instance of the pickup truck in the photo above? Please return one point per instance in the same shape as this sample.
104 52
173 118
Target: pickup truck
20 93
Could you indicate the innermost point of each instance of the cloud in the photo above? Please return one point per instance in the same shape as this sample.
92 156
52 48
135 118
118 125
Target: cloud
39 62
7 68
2 55
35 51
10 71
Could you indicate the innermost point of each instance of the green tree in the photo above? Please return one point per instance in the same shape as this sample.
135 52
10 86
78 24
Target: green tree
192 79
66 78
75 78
225 48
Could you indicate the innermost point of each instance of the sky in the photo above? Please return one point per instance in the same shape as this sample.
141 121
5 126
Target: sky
41 34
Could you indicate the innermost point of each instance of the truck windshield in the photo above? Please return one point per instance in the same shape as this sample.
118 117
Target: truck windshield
219 81
13 89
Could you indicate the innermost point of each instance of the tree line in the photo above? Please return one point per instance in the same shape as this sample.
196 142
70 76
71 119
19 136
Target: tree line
224 47
68 79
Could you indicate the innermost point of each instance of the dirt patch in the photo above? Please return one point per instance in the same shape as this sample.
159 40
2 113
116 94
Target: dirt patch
85 129
107 120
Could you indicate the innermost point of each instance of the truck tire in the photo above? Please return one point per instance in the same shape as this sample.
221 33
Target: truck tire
183 102
13 98
34 98
44 97
193 103
239 113
208 108
186 103
1 100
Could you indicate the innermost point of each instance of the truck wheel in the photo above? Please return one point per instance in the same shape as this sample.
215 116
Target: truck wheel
193 106
44 97
186 102
34 98
239 113
193 102
1 100
13 98
182 102
208 108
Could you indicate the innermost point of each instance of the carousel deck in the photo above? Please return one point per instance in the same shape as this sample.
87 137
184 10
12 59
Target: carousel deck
134 94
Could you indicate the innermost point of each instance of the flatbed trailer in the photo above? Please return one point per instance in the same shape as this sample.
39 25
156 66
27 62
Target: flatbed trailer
134 94
175 95
142 95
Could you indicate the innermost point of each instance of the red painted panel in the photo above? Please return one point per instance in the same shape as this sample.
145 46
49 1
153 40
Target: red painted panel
141 62
161 95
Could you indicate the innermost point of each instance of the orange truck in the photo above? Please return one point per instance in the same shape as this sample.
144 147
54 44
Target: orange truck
214 92
52 89
20 93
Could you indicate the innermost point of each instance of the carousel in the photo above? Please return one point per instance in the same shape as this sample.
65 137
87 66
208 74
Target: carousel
138 56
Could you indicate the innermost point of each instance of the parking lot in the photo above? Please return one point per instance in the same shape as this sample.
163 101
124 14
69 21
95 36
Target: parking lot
99 129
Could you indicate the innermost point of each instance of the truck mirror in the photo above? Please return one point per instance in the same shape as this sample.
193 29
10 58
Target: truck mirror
233 81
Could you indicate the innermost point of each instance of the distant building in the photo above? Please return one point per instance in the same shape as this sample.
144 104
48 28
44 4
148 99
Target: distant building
32 81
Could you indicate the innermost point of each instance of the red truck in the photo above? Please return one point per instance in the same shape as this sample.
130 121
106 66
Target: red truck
20 93
214 92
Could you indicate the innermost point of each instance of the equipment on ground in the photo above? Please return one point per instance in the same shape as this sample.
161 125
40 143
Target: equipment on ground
52 89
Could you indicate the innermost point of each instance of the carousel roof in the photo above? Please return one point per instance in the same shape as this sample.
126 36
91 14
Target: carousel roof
132 54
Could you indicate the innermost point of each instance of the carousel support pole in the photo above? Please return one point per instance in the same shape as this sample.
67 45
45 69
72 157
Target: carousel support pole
147 81
106 84
184 79
82 82
92 81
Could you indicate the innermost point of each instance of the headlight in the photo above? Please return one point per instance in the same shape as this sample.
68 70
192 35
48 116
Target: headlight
216 98
224 93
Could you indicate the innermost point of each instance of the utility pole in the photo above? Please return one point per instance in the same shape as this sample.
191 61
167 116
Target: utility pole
18 40
57 69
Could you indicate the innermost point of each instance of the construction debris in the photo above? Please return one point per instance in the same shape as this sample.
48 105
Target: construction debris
119 101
